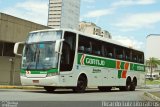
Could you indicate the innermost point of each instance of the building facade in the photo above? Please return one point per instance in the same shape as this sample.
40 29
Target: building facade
91 28
12 29
152 50
64 14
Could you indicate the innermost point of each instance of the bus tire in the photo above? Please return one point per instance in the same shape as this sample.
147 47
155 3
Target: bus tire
128 85
49 88
81 84
104 89
133 84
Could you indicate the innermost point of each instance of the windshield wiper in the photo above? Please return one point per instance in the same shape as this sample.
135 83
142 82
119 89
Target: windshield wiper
38 56
35 55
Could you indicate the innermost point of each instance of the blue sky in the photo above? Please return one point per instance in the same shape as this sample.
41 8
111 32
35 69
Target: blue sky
128 21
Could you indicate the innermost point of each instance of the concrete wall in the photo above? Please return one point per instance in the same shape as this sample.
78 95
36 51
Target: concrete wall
10 70
13 30
5 67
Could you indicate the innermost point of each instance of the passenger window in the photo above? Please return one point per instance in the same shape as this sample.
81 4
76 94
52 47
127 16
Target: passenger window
134 57
137 57
88 50
109 51
119 53
84 45
81 49
110 54
140 58
97 47
127 55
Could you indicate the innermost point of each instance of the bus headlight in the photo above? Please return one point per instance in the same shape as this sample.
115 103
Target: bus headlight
52 74
23 75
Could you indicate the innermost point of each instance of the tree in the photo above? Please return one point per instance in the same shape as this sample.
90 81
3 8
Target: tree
152 63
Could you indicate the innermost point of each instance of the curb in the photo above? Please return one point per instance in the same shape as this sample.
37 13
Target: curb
151 96
19 87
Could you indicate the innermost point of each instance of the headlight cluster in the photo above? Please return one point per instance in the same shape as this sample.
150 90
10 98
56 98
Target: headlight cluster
52 74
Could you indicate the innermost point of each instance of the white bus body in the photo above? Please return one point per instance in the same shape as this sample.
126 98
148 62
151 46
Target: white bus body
60 58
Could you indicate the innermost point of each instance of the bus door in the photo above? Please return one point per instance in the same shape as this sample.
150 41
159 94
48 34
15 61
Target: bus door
67 58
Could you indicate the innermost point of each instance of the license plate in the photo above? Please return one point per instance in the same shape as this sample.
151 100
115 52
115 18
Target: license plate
35 81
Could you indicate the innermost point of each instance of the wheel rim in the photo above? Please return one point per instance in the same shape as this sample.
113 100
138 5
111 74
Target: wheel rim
128 87
133 86
81 85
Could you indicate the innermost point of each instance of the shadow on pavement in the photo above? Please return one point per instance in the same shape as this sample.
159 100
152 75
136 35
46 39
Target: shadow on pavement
69 91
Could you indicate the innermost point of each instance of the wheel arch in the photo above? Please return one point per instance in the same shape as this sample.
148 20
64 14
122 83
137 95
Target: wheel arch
82 83
84 75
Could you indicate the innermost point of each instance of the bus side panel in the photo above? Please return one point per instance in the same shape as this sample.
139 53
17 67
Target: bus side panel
94 78
110 78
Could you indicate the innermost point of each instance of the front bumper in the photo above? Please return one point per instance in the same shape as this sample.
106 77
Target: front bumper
47 81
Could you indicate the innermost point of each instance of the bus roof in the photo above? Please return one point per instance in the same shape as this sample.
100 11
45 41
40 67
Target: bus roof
88 35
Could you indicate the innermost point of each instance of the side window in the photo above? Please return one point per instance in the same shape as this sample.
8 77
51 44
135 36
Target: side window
127 55
140 58
119 53
109 50
137 57
134 57
68 51
96 47
84 45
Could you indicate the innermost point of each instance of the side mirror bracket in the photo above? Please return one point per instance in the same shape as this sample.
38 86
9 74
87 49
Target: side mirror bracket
57 45
16 47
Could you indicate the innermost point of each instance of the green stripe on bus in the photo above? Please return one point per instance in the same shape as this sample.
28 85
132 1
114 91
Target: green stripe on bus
119 73
95 61
84 59
137 67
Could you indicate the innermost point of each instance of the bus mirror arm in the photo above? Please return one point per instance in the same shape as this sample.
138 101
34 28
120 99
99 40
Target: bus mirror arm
16 47
59 53
57 45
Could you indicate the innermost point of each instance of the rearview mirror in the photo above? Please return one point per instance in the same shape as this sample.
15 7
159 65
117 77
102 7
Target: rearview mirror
17 48
57 45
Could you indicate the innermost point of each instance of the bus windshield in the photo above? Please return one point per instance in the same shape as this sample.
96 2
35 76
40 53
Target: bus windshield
44 36
39 56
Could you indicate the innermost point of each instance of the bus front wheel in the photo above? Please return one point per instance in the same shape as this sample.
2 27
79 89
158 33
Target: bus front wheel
49 88
81 85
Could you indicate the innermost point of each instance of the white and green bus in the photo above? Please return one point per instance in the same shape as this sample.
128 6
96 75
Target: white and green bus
63 58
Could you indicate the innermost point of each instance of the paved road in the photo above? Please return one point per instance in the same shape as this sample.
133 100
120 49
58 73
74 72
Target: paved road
68 95
66 98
